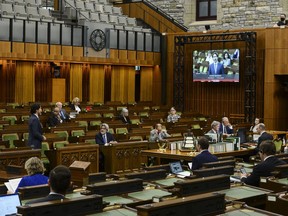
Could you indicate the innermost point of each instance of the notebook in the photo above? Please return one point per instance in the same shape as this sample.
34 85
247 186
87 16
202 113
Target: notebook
8 203
177 169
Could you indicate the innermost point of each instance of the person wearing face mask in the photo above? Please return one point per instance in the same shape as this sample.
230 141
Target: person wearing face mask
216 68
282 21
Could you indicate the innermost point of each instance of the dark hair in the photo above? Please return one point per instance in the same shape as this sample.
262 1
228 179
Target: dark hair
203 143
267 147
34 107
60 179
215 53
225 54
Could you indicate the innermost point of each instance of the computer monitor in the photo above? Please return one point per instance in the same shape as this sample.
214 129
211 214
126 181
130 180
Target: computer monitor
8 203
242 134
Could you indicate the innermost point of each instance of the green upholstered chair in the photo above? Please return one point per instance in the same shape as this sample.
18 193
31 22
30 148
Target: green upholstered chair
135 121
44 147
25 118
108 115
25 136
195 126
90 141
77 133
62 134
111 130
121 130
59 144
278 144
11 119
83 123
95 123
10 137
138 138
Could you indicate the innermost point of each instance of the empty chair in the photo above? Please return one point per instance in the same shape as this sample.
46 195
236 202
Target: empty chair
84 15
19 2
90 141
122 20
62 134
77 133
10 137
104 18
104 1
20 12
25 136
119 27
83 123
2 110
146 30
108 9
80 5
7 11
94 17
59 144
45 16
135 121
32 13
95 123
99 8
108 115
44 159
121 131
25 118
117 10
131 21
111 130
32 3
70 4
138 138
113 19
143 114
11 119
89 6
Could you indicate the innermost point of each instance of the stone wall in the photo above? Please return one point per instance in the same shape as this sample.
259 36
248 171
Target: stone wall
231 14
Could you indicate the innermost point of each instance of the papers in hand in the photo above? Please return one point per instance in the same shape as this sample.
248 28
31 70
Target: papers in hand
12 185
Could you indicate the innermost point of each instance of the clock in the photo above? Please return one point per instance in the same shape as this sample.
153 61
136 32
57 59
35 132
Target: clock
98 40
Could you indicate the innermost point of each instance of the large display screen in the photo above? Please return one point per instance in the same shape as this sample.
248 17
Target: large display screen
216 65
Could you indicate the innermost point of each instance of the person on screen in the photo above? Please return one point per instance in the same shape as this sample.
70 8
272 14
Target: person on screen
236 54
226 59
216 68
204 156
59 182
267 151
225 127
209 57
282 21
173 116
35 170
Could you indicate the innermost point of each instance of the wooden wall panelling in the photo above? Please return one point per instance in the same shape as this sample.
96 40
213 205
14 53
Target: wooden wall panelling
141 55
31 50
42 50
97 76
157 85
7 81
170 69
67 52
25 82
131 55
18 49
5 48
130 84
76 81
114 54
85 82
123 56
77 51
146 84
42 75
280 38
157 58
56 52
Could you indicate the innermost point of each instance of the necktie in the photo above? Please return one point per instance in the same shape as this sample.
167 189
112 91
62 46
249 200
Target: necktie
62 115
215 68
104 138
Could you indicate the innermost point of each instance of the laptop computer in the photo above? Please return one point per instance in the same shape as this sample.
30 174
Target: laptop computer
177 169
8 203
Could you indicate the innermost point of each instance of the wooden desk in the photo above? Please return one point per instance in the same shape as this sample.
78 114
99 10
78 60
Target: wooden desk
5 177
187 156
17 157
67 155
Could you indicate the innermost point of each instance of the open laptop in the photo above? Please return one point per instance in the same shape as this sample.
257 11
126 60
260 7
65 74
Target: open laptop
8 203
177 169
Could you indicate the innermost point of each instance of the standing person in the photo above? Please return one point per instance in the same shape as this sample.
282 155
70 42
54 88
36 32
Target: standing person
205 156
158 134
35 170
59 182
124 116
263 135
35 127
282 22
63 114
254 127
173 116
225 127
104 137
216 68
267 151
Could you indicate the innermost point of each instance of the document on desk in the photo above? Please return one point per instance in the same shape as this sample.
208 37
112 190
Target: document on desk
12 184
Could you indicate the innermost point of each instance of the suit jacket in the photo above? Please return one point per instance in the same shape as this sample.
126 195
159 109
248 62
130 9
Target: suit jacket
154 135
125 120
219 69
72 107
228 130
263 169
53 121
264 136
64 115
99 138
35 132
50 197
204 157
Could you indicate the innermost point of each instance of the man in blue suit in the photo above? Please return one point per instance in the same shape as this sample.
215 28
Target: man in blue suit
35 128
225 127
205 156
216 68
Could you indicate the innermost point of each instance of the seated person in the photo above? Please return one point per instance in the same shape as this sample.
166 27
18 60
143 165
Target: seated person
254 127
104 137
35 170
75 105
54 119
173 117
124 116
267 151
158 134
63 114
263 134
226 128
215 125
59 182
205 156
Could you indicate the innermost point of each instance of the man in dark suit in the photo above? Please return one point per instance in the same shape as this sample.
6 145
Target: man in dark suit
216 68
225 127
263 135
204 156
267 151
59 182
54 118
124 116
35 128
104 137
63 114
